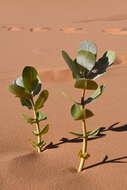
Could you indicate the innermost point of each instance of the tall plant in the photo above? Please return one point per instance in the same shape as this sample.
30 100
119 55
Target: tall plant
26 88
85 69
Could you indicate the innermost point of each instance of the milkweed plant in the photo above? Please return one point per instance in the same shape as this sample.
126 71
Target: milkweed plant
26 88
85 69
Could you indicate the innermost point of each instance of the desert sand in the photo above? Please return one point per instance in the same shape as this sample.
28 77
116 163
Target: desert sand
34 33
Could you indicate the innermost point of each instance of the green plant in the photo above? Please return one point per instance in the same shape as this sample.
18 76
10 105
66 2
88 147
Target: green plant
85 69
26 88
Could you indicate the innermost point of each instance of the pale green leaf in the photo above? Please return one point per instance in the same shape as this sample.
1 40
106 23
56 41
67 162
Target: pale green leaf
111 57
86 59
89 46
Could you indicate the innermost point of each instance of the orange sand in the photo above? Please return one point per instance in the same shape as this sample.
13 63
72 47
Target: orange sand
34 33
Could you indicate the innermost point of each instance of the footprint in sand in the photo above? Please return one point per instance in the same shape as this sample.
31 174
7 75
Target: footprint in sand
39 29
116 31
13 28
31 29
71 30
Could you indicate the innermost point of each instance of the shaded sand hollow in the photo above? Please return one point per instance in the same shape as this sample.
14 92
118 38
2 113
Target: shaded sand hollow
34 33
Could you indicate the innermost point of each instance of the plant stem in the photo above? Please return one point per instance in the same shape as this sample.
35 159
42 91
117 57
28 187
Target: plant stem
84 146
37 126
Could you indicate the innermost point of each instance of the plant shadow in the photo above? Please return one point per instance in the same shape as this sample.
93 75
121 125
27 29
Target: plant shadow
121 128
106 161
63 140
101 134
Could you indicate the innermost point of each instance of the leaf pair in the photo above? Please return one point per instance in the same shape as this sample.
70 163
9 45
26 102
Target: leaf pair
19 91
86 84
79 113
39 117
26 86
77 70
89 134
89 85
38 145
86 57
42 132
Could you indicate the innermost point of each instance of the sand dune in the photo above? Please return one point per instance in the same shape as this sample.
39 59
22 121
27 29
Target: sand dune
34 33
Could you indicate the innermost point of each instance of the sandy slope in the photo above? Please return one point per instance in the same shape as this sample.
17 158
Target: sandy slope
33 33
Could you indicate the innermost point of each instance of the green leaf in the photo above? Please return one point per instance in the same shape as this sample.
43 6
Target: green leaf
41 116
37 87
29 76
69 61
26 102
45 129
88 114
96 94
77 134
42 132
38 145
29 119
34 144
86 59
94 132
77 112
80 70
89 133
89 46
111 57
71 64
19 91
41 99
86 84
41 144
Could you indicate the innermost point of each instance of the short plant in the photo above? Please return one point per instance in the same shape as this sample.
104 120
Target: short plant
26 88
85 69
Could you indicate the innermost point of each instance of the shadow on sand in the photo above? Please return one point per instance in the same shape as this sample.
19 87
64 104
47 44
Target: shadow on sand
100 135
106 161
121 128
74 140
